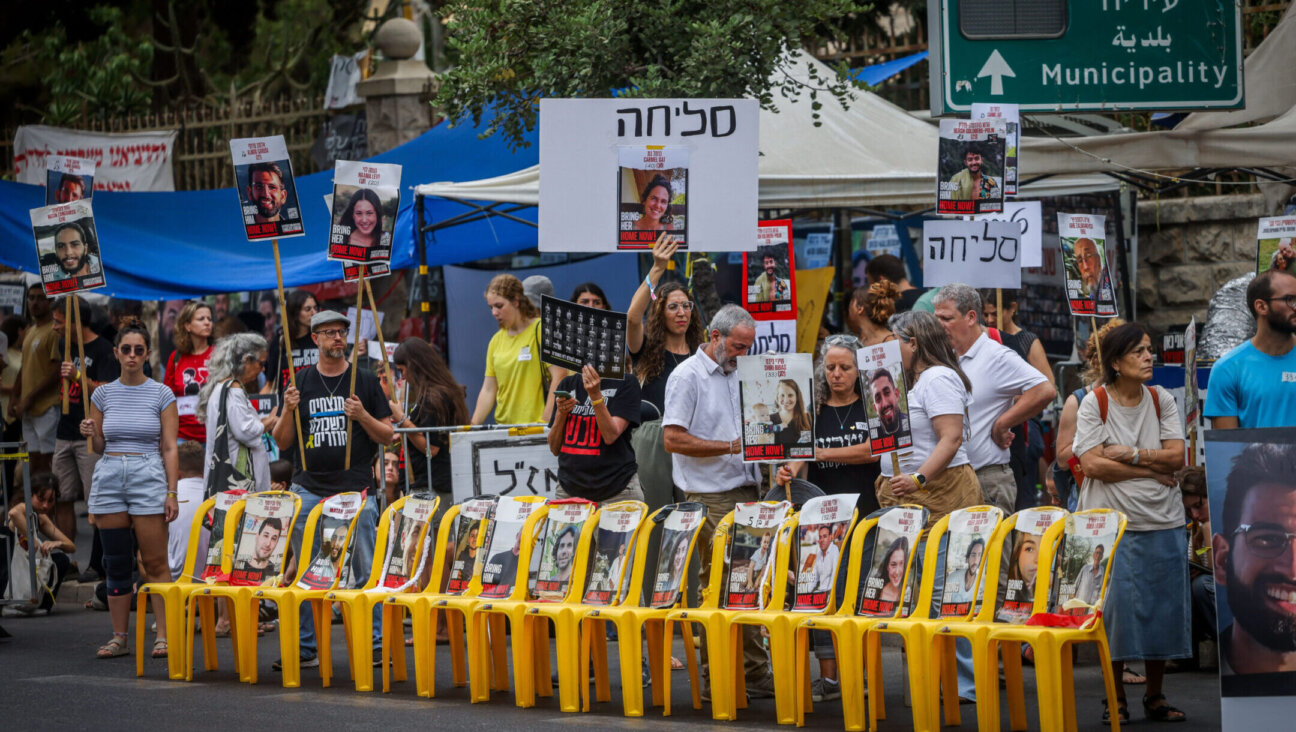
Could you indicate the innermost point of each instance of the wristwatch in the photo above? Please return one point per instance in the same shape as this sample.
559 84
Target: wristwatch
921 480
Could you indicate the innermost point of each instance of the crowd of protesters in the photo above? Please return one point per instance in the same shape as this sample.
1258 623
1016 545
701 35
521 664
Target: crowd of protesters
671 430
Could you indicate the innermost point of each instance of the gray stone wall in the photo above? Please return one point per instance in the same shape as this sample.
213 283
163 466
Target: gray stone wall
1188 249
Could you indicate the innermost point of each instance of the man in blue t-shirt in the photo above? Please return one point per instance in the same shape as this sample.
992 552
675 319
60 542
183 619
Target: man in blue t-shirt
1254 385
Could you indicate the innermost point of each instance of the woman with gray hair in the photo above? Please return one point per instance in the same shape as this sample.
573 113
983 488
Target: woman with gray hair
236 450
936 473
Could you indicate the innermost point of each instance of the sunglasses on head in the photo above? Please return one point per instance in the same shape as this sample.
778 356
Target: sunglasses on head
127 349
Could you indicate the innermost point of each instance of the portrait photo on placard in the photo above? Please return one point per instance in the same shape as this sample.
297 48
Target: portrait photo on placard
770 271
970 166
64 187
882 589
886 398
1083 240
1276 244
652 185
263 539
610 555
267 192
677 536
67 248
364 204
775 393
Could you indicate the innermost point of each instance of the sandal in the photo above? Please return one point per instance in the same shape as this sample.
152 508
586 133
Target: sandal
676 664
1129 676
113 648
266 627
1162 712
1122 711
160 648
221 632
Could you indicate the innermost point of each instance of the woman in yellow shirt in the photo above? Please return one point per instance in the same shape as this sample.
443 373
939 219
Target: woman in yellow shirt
514 384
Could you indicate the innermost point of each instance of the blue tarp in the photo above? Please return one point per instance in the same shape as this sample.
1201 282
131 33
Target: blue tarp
189 243
878 73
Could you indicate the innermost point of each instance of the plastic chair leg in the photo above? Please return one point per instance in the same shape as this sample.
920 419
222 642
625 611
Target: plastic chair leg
567 646
583 662
498 654
599 657
1068 689
659 665
949 682
397 653
1109 680
873 675
851 663
1048 681
207 617
537 629
243 625
782 647
1013 681
140 598
322 614
177 653
458 632
360 645
289 638
523 660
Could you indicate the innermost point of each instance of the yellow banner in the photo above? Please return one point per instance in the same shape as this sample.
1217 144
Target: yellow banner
812 297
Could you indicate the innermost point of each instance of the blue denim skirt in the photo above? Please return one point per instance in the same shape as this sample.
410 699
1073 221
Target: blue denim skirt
1148 612
134 484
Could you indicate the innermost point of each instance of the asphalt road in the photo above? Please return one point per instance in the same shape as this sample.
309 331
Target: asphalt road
51 680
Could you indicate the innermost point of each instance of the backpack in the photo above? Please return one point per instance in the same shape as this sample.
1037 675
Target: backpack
1100 393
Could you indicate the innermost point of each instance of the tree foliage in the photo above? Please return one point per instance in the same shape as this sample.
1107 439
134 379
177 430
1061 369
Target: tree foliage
513 52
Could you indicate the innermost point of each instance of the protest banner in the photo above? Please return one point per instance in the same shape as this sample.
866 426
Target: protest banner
776 400
753 541
13 298
67 248
969 530
332 534
1084 260
467 559
1082 561
366 197
611 561
225 500
775 336
496 462
1253 573
813 293
344 73
970 167
1011 115
887 558
503 545
68 179
1029 217
267 192
687 167
886 397
823 525
679 534
124 161
1019 567
407 544
573 336
265 529
770 273
554 556
976 253
1274 233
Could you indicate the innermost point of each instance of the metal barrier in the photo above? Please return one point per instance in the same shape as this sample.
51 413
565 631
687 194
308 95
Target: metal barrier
17 451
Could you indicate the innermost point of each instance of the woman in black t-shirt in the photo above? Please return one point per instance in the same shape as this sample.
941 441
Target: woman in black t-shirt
435 400
590 435
301 308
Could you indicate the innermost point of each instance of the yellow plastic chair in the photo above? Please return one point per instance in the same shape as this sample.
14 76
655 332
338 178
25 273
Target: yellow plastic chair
465 526
605 531
1054 680
1007 600
245 522
877 589
734 591
401 552
637 622
174 594
836 514
329 529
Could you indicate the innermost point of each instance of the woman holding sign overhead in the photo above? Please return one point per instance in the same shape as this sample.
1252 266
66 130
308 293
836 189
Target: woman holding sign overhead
936 472
515 384
186 370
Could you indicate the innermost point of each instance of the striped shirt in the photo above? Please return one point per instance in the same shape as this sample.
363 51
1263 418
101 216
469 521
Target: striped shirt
132 420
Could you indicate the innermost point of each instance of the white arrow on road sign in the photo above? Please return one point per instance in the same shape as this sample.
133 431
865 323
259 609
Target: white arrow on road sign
996 68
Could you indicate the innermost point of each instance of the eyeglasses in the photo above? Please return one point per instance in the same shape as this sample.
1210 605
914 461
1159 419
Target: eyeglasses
332 332
677 307
127 349
1289 299
1266 540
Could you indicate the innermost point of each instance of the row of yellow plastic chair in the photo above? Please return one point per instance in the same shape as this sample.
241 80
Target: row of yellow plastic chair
568 568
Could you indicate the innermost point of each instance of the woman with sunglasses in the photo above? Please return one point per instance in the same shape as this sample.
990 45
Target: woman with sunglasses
133 423
1129 452
186 370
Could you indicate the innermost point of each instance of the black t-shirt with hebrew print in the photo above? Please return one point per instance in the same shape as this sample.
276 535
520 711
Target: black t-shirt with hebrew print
844 427
324 427
587 467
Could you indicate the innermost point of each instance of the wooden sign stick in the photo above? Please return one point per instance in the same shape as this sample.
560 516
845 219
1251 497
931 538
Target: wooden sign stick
999 309
286 338
67 346
85 392
382 343
355 362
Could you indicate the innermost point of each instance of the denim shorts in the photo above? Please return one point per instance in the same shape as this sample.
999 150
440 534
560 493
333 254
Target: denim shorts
134 484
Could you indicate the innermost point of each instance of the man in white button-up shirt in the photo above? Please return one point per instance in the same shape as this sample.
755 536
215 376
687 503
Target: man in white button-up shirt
1006 391
701 425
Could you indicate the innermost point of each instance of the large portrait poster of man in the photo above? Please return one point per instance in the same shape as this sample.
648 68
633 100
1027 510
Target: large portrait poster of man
467 542
68 179
1083 238
824 523
1276 237
1251 480
407 542
770 291
969 530
267 193
366 198
1084 556
611 559
67 248
776 397
332 533
885 397
554 556
971 166
263 538
652 185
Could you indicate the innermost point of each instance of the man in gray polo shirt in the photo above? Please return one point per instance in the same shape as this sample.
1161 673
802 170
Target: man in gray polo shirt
702 427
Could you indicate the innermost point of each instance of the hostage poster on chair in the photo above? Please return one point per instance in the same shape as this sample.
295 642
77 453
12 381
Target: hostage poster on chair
68 179
225 500
770 293
67 248
679 533
573 336
969 530
1085 552
753 541
885 397
776 399
263 539
366 197
652 182
407 547
503 544
267 193
1084 262
896 535
1019 566
331 535
822 528
467 550
611 561
971 166
554 556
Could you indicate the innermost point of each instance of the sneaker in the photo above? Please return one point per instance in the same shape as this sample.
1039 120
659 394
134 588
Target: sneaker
761 689
377 658
825 690
311 661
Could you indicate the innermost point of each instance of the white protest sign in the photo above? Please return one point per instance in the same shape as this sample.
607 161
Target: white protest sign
775 336
976 253
1011 115
344 73
124 161
493 462
1029 217
590 191
368 329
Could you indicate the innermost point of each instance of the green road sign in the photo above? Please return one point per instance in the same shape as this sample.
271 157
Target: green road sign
1094 55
